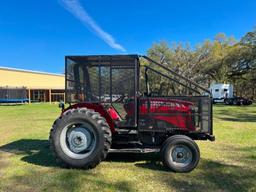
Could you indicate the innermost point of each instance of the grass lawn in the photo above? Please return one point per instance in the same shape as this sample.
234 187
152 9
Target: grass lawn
26 164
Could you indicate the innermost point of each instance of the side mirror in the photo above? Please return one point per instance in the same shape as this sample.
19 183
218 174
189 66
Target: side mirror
62 105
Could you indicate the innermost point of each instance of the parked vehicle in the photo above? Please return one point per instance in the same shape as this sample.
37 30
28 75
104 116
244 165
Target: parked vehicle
224 93
220 92
139 121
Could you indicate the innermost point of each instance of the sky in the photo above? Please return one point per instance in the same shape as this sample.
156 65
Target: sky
36 34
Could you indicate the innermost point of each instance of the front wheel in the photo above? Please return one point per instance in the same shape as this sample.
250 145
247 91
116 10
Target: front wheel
80 138
180 154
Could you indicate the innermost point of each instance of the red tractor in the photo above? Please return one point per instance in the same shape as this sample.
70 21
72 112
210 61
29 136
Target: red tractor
116 106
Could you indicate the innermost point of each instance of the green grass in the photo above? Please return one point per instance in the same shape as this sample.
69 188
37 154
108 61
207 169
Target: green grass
26 164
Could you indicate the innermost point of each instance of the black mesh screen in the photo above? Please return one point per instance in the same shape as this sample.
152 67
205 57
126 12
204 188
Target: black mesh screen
99 80
104 83
103 79
123 81
162 85
175 113
172 102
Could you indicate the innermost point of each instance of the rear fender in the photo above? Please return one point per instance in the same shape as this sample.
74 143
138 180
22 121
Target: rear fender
96 107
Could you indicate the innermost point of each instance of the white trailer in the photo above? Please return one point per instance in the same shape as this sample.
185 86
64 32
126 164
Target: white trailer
224 93
221 91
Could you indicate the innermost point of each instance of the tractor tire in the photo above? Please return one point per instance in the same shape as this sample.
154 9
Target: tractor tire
80 138
180 154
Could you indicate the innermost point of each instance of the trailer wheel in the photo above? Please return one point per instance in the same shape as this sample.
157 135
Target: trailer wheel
80 138
180 154
236 102
227 101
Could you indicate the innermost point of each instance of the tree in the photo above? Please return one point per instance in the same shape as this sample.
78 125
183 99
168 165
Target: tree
242 61
220 60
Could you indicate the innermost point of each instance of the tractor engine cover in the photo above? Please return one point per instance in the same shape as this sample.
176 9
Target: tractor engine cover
165 113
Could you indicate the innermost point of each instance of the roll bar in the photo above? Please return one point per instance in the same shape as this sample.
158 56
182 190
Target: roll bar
176 74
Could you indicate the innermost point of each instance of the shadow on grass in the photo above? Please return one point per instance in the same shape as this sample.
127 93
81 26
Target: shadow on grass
250 152
236 114
37 152
34 151
63 180
239 118
132 157
220 176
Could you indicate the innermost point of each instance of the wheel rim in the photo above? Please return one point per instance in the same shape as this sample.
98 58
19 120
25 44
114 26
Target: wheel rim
77 140
181 155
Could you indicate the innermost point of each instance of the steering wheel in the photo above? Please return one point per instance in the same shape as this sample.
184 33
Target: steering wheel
122 99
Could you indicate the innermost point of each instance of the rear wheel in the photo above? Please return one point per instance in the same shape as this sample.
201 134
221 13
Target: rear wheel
80 138
180 154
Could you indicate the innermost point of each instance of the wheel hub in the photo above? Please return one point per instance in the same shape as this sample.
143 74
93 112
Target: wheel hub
79 139
181 155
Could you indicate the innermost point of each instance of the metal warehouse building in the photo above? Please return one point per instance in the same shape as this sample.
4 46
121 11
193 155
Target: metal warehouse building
40 86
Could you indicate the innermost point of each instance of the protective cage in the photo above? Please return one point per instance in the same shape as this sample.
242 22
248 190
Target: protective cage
166 100
103 79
